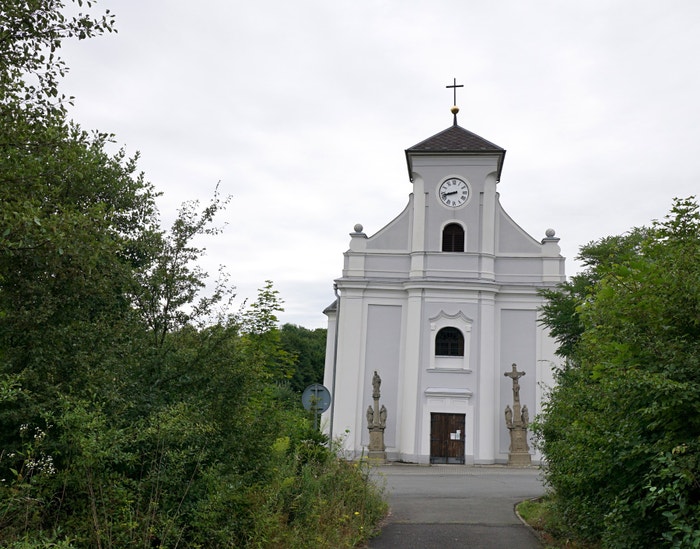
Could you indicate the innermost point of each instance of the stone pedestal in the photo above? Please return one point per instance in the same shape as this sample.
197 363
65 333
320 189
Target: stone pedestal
376 444
519 451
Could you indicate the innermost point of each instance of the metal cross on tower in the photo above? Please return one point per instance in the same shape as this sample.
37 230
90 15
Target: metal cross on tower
455 108
454 87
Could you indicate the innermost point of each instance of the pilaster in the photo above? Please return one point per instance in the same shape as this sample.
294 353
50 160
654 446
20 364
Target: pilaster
409 380
350 370
485 451
417 245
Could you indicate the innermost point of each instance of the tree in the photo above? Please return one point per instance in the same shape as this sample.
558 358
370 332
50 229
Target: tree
73 218
168 290
31 35
135 409
561 311
309 348
621 431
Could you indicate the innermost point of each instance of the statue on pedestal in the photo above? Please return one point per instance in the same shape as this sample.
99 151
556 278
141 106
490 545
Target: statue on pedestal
376 423
509 417
517 420
376 384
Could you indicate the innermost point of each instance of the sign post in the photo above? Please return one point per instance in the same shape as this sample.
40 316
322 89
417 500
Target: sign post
316 398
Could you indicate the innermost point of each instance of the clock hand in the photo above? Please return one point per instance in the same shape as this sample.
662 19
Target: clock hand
451 192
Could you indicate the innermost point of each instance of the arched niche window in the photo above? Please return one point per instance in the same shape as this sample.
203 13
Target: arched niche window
453 238
449 342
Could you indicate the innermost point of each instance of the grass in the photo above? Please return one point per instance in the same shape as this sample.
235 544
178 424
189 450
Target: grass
541 515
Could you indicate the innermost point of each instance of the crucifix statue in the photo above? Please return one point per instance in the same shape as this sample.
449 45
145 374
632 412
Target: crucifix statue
515 376
517 420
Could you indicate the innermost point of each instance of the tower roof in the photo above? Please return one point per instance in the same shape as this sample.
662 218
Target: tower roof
455 140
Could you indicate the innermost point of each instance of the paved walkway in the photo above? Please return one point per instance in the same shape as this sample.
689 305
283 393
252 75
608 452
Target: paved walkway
456 506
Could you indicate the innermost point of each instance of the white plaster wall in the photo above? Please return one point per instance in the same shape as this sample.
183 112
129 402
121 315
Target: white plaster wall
350 370
518 333
383 356
395 235
329 370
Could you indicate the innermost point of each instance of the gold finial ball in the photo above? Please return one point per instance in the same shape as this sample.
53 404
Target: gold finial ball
454 110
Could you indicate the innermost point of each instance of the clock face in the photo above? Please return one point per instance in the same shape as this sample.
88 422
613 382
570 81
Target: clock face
453 192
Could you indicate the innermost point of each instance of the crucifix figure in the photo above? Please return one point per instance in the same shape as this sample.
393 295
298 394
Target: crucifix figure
515 376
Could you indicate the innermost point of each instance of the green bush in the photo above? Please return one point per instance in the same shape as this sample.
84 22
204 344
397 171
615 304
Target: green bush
621 429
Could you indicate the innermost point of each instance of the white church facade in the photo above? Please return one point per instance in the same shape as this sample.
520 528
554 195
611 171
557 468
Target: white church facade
440 303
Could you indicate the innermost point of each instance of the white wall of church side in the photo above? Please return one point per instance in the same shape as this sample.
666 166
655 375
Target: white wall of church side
329 365
394 236
348 376
518 331
383 356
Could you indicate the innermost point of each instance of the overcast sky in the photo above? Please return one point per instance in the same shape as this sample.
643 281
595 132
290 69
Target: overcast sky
302 111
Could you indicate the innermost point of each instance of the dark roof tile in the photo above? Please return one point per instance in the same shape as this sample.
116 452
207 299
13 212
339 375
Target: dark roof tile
455 139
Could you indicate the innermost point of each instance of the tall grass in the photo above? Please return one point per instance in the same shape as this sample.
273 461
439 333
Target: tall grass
317 499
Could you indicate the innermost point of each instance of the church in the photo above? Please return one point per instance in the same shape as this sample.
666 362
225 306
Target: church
440 303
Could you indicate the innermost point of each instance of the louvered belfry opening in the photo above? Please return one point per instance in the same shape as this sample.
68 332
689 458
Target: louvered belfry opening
453 238
449 342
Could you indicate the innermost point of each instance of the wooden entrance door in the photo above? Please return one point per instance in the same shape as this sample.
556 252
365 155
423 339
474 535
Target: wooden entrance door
447 438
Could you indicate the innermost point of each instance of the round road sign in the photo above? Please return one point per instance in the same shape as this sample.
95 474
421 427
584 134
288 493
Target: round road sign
316 398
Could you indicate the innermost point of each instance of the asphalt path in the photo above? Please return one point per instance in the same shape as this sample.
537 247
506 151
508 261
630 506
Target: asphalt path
456 506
